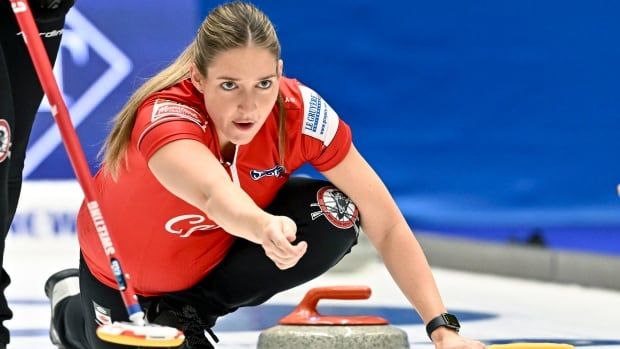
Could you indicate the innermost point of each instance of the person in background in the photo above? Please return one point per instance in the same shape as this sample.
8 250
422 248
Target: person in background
20 97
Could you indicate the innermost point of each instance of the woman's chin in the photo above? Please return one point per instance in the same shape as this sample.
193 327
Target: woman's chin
241 140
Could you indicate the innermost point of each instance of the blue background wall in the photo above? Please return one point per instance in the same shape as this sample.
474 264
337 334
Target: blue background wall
486 118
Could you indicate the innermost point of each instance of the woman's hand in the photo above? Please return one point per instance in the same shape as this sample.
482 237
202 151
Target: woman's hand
278 233
444 338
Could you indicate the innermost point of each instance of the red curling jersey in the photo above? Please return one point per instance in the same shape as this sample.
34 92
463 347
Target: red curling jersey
169 245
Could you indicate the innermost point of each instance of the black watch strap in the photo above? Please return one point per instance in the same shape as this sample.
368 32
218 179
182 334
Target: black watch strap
444 320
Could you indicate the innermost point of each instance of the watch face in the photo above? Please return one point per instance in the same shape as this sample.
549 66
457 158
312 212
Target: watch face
451 320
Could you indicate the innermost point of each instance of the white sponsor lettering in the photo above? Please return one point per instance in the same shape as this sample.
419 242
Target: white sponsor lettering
101 228
320 120
49 34
186 225
164 108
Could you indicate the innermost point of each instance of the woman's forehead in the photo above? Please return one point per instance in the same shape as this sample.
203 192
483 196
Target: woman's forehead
243 63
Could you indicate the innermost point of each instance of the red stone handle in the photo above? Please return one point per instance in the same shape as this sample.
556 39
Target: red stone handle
306 313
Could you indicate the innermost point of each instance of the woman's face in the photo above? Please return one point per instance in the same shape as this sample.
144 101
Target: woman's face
240 90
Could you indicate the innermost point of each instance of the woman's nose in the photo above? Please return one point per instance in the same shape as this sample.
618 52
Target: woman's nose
247 103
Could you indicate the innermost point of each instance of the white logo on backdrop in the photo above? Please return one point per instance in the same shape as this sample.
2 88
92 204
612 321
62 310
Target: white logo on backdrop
78 37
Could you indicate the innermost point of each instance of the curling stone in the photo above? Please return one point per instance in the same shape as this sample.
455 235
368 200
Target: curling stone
305 328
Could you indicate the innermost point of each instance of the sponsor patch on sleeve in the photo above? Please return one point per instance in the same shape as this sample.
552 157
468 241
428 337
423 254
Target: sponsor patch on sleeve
165 108
320 120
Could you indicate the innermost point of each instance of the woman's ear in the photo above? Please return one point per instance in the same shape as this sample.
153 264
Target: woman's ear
196 78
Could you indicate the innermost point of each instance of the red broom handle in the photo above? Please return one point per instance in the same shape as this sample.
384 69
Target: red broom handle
74 150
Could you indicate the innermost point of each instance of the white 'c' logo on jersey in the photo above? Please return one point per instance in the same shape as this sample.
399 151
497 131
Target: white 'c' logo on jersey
185 225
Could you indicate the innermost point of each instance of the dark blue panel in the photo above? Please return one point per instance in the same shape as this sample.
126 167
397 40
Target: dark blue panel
148 36
487 115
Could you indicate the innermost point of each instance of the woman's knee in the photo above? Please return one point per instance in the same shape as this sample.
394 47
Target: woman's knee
333 224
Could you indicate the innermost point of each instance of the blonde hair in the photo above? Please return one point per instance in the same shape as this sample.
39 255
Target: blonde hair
228 26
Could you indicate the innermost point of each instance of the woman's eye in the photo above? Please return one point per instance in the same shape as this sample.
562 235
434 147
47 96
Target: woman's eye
228 85
265 84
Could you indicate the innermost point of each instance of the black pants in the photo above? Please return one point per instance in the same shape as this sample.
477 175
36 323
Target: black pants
20 97
246 277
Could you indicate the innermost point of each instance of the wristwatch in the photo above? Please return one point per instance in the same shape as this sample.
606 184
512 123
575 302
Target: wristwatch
444 320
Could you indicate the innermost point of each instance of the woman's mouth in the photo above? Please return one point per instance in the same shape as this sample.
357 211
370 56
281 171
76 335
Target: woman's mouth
243 126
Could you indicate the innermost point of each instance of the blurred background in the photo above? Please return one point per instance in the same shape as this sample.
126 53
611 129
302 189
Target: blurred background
493 121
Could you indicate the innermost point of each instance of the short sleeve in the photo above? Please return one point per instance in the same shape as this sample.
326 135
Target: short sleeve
160 121
326 139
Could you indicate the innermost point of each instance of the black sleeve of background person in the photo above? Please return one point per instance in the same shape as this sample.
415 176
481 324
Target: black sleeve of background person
25 86
6 113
